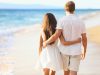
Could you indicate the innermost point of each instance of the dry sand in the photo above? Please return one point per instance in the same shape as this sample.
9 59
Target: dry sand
25 50
94 34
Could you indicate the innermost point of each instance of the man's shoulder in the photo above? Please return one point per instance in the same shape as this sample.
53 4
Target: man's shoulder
78 17
63 19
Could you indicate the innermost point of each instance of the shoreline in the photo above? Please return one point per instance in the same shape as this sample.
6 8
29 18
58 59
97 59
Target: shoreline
26 39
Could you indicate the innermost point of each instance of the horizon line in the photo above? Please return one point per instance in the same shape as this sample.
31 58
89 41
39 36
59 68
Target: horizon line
46 8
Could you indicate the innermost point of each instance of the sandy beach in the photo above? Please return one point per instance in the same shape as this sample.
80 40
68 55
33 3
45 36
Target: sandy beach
25 48
94 34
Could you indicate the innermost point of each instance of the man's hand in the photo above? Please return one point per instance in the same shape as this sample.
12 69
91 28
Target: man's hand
84 43
83 55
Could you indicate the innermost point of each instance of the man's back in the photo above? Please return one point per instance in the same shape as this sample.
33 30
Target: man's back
72 28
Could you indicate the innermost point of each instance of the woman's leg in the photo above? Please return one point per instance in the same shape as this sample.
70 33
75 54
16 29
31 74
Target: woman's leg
53 72
46 71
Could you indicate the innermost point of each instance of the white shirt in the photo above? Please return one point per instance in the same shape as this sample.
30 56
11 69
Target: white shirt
72 28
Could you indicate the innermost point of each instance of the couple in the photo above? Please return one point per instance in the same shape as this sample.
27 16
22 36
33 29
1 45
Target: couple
66 54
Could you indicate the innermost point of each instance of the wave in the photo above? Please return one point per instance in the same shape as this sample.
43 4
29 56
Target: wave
89 15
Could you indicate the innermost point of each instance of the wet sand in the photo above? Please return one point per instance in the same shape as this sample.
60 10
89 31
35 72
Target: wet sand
25 50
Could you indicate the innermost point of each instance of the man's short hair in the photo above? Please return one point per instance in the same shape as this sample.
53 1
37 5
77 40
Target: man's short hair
70 6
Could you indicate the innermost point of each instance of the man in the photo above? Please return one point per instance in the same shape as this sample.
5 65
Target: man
72 28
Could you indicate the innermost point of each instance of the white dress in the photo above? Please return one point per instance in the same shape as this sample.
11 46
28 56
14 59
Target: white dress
50 57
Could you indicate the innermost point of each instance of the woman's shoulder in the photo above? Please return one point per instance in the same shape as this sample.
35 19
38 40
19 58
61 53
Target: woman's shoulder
42 33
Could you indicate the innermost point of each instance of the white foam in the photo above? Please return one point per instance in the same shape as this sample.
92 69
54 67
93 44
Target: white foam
91 19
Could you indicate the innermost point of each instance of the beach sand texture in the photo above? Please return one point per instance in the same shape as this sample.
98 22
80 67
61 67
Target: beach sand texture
25 49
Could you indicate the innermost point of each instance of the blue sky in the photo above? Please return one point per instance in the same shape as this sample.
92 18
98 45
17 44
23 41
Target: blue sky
57 3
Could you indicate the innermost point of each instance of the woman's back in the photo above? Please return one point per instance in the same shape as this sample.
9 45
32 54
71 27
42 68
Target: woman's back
49 54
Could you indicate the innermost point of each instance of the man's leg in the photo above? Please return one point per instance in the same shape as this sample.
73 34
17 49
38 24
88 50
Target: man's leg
73 72
74 64
65 59
66 72
53 72
46 71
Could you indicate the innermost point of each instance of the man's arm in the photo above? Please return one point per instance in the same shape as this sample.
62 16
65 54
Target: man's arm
84 43
66 43
54 37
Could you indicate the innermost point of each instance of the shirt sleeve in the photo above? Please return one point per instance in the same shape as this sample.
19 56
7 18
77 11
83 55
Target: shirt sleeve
59 25
83 28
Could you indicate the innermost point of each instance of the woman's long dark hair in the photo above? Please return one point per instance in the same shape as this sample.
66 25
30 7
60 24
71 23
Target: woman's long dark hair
49 25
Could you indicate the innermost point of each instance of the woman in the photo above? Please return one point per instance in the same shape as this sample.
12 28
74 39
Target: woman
50 57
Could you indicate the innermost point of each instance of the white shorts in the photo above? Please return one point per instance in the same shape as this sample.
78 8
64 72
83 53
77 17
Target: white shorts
71 62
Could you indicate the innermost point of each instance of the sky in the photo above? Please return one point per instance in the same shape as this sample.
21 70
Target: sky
58 3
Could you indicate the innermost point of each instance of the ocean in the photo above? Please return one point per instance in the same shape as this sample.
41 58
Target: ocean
26 17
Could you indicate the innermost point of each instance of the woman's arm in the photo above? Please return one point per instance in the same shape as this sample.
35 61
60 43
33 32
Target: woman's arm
40 44
42 39
62 40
